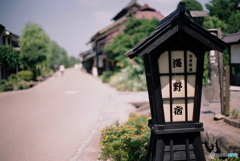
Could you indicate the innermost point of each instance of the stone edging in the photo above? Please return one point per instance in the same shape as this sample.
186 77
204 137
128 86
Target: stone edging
232 122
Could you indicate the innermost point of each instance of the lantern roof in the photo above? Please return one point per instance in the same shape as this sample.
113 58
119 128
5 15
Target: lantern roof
177 22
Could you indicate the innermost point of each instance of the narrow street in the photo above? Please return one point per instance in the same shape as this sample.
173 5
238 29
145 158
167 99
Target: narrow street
58 119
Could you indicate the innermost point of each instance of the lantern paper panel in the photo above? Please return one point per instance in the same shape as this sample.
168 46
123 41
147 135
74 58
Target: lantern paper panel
178 86
177 61
167 111
178 110
176 78
165 86
190 106
191 62
191 79
163 63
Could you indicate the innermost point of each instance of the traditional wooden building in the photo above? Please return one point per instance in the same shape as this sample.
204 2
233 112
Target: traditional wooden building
96 57
234 41
7 38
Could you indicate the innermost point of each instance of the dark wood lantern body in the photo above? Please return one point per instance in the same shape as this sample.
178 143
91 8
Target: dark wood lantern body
177 42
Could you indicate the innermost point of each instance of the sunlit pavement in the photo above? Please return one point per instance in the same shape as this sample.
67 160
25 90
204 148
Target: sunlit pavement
60 119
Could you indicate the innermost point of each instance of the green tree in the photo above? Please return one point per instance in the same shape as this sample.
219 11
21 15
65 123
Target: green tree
227 12
35 48
59 55
129 74
9 59
222 9
213 22
72 61
135 31
193 5
234 23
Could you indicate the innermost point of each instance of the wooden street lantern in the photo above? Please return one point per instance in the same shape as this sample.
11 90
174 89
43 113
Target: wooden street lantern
173 58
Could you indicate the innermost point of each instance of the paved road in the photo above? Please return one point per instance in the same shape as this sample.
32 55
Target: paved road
58 120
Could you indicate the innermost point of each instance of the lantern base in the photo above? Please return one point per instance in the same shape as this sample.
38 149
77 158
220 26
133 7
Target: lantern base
178 146
173 128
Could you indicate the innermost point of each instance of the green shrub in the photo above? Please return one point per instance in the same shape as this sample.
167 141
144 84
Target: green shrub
130 79
23 85
235 113
127 142
106 76
26 75
7 86
13 82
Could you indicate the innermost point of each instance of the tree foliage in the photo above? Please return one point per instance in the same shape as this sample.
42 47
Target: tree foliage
193 5
9 58
227 12
39 53
59 55
34 45
223 9
134 77
213 22
135 31
35 48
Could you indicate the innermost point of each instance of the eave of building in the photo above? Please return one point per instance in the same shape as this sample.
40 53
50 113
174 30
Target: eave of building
232 38
107 29
198 13
124 11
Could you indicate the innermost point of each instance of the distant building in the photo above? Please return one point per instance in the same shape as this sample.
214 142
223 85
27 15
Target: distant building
96 57
7 38
234 41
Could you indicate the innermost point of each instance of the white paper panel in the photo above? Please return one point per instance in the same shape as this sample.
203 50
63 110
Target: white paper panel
178 86
177 61
191 62
191 85
190 110
166 108
178 110
163 63
235 53
165 86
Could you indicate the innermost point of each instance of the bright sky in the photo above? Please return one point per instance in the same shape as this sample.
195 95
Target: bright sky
71 23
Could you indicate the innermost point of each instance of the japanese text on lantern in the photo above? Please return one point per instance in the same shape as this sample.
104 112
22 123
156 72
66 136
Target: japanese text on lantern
177 77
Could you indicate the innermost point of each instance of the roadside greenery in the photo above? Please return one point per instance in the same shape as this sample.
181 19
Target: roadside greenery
35 49
126 142
13 82
26 75
227 11
39 54
9 58
37 58
128 74
228 159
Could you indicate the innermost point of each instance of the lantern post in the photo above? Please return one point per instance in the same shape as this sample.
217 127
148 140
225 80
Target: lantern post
173 58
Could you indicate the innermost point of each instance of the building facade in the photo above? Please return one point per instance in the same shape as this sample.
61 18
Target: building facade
234 41
7 38
95 58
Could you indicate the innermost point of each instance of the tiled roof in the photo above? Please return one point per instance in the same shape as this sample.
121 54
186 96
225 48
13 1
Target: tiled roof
171 25
232 38
143 12
149 15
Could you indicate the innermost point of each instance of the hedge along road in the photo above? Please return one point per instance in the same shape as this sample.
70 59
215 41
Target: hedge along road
57 120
